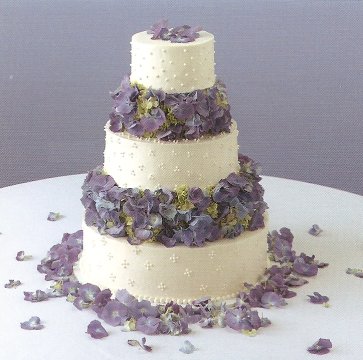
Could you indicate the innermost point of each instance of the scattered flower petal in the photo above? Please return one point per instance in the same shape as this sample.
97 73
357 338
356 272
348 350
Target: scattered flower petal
96 330
32 324
36 296
318 298
20 256
187 347
12 284
301 267
315 230
148 325
271 298
320 347
142 345
355 272
53 216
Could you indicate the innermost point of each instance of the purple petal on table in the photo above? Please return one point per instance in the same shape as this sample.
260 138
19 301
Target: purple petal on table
87 292
96 330
124 297
32 324
237 320
295 281
206 323
36 296
318 298
320 347
114 313
12 284
356 272
53 216
142 345
20 256
315 230
144 308
187 347
148 325
80 304
303 268
101 300
270 298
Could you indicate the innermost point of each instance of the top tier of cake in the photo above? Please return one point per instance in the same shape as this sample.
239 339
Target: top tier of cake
173 67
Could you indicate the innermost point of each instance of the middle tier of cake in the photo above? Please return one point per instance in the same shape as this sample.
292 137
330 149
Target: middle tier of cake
182 274
152 164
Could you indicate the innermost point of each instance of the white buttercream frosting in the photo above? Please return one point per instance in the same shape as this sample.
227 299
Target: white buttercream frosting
151 164
182 274
173 67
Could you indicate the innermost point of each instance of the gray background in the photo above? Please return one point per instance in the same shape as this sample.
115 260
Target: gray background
294 71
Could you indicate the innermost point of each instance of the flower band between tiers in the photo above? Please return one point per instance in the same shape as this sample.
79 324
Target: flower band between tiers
189 216
151 113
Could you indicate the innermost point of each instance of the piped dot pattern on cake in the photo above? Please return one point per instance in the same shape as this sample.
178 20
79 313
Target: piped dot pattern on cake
167 66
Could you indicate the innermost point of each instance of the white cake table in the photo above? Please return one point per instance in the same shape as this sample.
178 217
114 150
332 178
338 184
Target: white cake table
23 212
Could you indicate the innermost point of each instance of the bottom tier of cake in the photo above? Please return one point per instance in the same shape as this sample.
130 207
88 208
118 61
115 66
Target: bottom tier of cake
182 274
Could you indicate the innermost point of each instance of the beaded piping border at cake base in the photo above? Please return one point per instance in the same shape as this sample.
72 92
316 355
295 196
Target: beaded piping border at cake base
151 113
190 216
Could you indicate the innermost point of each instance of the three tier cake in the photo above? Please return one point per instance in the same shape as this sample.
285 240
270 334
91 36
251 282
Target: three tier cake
174 213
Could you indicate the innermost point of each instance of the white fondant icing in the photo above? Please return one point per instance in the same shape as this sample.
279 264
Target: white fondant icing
157 277
186 162
164 65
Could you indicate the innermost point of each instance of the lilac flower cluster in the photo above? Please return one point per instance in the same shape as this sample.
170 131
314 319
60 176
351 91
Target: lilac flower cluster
150 113
187 215
178 34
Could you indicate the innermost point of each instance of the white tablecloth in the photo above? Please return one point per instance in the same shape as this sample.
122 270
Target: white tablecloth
23 212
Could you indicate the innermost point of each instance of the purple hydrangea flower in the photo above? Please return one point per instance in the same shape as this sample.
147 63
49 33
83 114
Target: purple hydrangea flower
159 29
101 300
197 113
242 319
114 313
32 324
144 308
96 330
148 325
153 121
179 34
320 347
124 297
86 296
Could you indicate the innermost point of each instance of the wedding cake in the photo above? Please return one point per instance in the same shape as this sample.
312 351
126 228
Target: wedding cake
174 213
